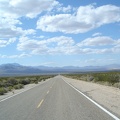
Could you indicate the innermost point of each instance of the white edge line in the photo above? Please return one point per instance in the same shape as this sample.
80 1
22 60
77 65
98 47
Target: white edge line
109 113
19 93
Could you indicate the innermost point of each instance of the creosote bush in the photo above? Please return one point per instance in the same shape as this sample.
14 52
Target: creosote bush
25 81
18 86
105 78
2 91
10 83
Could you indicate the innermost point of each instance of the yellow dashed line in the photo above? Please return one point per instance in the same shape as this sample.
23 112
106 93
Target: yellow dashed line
43 99
47 91
40 103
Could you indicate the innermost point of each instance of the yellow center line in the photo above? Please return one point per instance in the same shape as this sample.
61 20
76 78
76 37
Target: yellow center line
48 91
52 86
43 99
40 103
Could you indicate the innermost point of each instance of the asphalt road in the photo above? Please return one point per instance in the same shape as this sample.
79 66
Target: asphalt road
52 100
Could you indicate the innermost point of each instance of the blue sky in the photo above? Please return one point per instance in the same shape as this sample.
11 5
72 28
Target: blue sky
60 32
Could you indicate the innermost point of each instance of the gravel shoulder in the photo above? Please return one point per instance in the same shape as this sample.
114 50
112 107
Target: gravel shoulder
108 97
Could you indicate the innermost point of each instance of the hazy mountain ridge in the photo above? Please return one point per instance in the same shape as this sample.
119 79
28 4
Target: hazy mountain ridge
16 69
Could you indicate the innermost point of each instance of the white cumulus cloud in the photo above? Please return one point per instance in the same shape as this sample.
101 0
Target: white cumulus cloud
22 55
28 8
12 10
53 45
67 45
86 18
4 43
97 41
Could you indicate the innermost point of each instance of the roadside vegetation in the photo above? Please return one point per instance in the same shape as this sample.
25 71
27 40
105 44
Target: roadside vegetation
11 83
105 78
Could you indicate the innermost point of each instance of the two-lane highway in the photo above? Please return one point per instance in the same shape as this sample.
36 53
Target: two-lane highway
52 100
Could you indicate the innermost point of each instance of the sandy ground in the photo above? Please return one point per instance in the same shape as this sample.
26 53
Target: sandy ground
108 97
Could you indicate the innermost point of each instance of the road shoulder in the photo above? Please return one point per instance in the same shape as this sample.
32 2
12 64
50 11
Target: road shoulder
19 91
108 97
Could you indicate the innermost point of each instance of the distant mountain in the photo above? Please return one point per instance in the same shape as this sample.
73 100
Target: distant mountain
17 69
80 69
113 67
14 64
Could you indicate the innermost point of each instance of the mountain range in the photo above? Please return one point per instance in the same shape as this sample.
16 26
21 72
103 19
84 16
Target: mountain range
17 69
